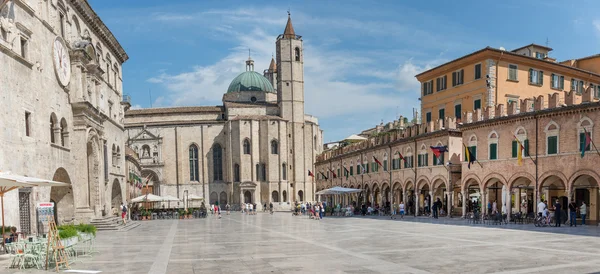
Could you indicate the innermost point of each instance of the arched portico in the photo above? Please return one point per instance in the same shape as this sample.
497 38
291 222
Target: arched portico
62 197
584 186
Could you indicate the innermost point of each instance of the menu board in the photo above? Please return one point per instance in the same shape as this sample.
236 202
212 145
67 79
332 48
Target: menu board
44 211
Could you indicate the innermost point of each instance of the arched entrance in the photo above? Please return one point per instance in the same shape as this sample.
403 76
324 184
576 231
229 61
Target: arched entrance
213 198
473 197
284 194
300 196
93 194
585 190
223 198
248 197
376 195
275 196
62 197
153 186
496 196
411 197
440 192
523 196
116 195
424 198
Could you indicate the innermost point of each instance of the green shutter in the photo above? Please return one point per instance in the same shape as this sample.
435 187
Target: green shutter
493 151
426 159
473 150
514 148
552 144
562 82
526 145
541 78
477 104
385 168
580 87
530 75
552 80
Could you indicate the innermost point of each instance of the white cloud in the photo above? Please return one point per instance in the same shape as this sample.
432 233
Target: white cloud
596 24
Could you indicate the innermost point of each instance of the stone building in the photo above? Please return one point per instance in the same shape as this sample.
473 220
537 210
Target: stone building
552 134
490 76
255 148
61 90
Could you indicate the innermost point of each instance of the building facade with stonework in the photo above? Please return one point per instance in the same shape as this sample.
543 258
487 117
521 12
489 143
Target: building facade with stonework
557 160
255 148
491 76
61 88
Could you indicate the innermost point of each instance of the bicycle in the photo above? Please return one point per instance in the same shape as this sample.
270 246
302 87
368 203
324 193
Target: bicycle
540 221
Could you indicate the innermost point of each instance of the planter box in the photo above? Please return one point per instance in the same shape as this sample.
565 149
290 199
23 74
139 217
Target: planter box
86 236
70 241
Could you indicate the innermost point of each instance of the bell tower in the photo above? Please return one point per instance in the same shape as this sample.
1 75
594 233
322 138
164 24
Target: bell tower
290 76
290 99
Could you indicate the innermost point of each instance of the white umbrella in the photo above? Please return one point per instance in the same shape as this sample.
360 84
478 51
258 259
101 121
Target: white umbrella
170 199
194 197
147 198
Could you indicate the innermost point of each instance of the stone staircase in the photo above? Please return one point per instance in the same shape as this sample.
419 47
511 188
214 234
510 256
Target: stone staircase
113 223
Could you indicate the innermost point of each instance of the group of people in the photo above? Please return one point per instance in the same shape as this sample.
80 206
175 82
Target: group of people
544 211
249 208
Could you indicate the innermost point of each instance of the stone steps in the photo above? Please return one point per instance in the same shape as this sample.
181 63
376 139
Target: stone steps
113 223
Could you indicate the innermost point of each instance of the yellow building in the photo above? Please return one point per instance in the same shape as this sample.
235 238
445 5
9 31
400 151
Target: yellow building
489 77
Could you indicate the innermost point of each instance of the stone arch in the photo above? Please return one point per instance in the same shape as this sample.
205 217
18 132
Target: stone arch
439 178
469 179
53 127
472 139
213 198
585 122
408 183
493 135
579 173
514 177
422 180
116 194
64 132
554 173
64 203
489 178
551 126
223 198
520 130
275 196
153 180
76 32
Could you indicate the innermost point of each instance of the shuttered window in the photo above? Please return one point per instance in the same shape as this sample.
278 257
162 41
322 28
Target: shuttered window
477 71
552 145
493 151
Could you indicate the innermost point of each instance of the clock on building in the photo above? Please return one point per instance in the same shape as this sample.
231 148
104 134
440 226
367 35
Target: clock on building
62 62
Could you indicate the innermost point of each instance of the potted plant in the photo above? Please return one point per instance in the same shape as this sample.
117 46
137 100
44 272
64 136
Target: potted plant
181 213
68 235
188 214
86 231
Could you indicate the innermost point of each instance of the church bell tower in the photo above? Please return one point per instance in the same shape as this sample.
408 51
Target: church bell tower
290 99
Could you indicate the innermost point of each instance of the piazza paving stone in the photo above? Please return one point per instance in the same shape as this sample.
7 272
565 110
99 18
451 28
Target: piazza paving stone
281 243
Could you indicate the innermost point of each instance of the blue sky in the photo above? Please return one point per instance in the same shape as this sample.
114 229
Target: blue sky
360 56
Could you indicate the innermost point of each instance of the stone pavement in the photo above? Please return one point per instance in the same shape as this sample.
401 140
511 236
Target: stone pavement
281 243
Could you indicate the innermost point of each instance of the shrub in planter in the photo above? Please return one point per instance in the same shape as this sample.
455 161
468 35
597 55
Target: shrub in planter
181 213
68 234
86 229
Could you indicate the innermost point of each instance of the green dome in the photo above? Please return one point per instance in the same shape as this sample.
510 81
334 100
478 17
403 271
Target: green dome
250 81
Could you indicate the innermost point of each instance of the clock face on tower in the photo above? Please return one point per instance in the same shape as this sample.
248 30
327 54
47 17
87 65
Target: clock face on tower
62 62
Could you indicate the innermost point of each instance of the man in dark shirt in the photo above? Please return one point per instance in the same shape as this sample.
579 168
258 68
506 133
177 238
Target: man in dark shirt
557 213
573 213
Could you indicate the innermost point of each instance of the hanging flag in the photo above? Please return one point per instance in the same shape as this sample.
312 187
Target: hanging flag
377 161
347 172
400 155
324 176
310 174
333 173
469 157
437 151
520 150
586 142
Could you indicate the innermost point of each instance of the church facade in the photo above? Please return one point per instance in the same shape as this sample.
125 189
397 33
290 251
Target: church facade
62 110
257 147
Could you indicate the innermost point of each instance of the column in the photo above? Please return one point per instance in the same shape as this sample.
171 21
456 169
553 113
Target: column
241 197
464 203
484 201
416 205
566 207
450 196
509 205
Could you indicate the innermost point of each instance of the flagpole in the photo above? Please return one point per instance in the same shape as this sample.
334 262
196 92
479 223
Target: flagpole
592 141
529 155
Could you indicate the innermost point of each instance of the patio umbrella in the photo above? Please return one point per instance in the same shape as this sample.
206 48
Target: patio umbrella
9 181
147 198
170 199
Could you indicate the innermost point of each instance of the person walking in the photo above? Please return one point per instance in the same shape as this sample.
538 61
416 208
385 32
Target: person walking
271 208
489 208
124 213
583 212
573 213
494 207
557 213
401 207
394 209
228 208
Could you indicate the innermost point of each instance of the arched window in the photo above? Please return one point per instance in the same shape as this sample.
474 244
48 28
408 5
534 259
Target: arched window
114 155
493 145
521 134
107 72
275 196
284 171
274 147
217 162
64 133
145 151
551 131
408 158
585 129
472 146
246 146
423 157
284 194
76 31
300 195
297 54
236 173
53 123
194 173
118 159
